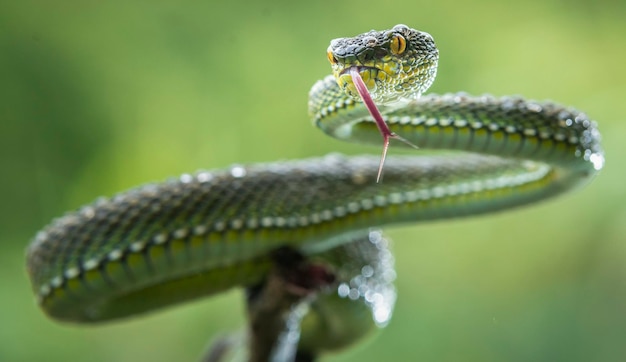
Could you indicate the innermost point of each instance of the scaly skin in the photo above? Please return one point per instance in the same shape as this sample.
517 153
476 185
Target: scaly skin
169 242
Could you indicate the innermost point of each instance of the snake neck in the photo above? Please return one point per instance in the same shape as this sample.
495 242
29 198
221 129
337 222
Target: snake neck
507 127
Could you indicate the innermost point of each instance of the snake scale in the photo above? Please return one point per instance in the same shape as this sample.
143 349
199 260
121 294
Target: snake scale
202 233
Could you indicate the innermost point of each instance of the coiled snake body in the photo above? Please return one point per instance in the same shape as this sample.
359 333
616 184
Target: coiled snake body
199 234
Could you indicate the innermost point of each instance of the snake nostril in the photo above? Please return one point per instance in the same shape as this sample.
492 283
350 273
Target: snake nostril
370 41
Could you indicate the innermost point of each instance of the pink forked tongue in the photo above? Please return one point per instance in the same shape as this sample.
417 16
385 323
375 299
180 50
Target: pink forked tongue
380 122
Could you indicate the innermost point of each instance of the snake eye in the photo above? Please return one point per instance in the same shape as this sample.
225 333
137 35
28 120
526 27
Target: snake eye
398 44
331 57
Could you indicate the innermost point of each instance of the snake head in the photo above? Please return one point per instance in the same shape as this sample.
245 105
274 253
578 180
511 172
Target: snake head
394 64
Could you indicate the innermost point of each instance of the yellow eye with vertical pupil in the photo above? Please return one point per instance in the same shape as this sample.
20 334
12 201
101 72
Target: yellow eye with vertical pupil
331 57
398 44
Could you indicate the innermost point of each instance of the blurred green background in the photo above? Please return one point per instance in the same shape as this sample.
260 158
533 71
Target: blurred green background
97 97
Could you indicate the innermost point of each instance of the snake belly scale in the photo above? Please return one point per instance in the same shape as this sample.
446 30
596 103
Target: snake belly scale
202 233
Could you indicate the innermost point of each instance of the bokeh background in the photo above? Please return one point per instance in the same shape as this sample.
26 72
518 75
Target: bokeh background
97 97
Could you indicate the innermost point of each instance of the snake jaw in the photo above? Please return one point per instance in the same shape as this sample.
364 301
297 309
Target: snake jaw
371 76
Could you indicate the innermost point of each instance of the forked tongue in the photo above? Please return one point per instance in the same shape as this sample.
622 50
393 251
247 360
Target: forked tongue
380 122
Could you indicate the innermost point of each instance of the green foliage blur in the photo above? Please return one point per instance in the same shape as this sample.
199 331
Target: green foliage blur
100 96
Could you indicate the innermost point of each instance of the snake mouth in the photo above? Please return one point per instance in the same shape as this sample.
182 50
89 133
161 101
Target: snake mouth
372 77
362 69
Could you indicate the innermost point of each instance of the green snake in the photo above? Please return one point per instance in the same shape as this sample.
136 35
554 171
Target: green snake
202 233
